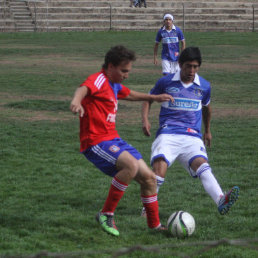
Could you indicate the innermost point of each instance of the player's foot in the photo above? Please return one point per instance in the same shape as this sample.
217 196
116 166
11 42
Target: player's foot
107 223
228 200
161 228
143 214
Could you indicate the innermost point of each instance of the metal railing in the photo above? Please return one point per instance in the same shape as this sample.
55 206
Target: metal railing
34 10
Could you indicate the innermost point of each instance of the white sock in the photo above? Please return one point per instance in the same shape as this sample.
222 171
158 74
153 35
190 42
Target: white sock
209 182
160 182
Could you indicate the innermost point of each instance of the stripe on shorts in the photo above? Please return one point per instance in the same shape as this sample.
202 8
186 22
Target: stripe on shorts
97 150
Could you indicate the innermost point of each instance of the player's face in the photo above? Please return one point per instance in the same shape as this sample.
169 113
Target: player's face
188 71
168 23
119 73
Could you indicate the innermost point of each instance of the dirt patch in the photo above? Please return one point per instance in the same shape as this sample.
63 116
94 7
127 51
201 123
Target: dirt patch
237 112
128 112
6 97
251 66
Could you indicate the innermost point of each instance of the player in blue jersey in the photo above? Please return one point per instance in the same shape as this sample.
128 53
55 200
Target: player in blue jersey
170 36
179 135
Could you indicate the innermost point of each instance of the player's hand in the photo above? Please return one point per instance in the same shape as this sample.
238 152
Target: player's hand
155 61
163 97
77 108
146 128
207 139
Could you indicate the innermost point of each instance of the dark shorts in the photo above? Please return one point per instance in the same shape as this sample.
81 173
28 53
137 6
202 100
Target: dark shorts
105 154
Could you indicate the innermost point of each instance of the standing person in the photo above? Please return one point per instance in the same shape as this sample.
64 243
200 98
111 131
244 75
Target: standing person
179 135
170 35
96 101
144 2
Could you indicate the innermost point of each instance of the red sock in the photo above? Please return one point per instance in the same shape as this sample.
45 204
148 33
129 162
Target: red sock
115 194
152 210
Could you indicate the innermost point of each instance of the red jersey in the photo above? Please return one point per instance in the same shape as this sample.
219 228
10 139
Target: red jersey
100 106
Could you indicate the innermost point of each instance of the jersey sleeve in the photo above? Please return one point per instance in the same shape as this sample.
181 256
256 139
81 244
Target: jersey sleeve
158 36
207 97
123 92
157 89
180 34
89 83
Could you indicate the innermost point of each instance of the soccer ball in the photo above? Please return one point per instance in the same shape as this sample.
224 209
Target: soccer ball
181 224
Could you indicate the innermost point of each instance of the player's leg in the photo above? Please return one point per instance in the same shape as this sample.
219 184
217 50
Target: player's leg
108 157
195 160
131 168
164 152
212 187
160 167
147 180
166 66
174 67
203 170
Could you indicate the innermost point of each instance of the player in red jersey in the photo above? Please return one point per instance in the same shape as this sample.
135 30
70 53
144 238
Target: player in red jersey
96 102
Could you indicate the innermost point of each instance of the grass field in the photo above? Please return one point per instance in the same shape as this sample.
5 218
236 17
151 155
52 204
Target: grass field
49 193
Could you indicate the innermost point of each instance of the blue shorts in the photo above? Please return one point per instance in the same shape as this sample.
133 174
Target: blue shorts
105 154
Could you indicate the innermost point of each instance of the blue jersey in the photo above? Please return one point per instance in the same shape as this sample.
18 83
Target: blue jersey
184 116
170 43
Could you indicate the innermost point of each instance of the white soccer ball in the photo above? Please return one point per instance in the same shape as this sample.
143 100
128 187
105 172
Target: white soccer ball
181 224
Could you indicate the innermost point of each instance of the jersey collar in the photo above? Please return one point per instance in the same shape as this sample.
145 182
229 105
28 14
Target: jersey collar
196 80
173 28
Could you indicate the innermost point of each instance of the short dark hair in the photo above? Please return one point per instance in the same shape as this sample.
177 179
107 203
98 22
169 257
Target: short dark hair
190 54
118 54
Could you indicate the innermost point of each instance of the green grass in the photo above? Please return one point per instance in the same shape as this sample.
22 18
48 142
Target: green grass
49 192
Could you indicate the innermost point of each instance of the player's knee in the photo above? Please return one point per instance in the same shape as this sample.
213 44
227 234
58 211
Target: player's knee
133 168
200 169
149 179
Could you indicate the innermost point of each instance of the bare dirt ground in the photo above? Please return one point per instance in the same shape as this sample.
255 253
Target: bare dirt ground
130 113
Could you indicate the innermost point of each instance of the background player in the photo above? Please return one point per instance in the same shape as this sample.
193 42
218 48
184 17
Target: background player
96 100
170 35
179 135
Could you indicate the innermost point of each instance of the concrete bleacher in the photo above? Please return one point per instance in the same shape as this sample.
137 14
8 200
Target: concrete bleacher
6 19
195 15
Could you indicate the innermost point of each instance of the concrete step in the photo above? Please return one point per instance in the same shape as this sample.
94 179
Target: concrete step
21 15
138 17
159 12
151 4
135 23
228 15
149 1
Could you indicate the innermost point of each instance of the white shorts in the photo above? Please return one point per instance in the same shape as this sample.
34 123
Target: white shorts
169 67
184 148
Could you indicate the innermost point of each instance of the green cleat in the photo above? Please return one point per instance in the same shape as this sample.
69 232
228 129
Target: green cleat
107 223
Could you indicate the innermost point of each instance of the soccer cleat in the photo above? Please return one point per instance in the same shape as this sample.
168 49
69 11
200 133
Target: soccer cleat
228 200
161 228
144 214
107 223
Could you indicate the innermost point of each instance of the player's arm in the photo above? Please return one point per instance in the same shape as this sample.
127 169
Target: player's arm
155 53
183 45
206 113
75 105
146 126
138 96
